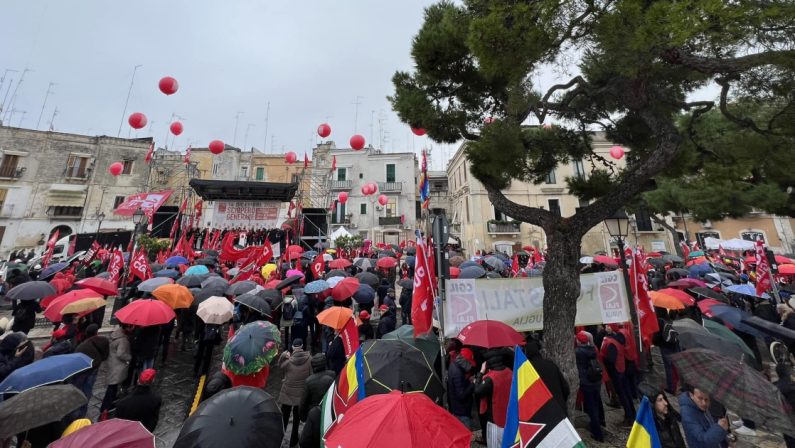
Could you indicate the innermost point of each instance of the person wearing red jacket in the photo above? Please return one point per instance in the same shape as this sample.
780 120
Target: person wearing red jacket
612 356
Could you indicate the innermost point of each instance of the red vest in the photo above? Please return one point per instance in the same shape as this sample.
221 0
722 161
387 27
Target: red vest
500 394
630 348
608 341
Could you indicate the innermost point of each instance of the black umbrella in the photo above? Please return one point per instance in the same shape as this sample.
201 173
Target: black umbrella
472 272
30 291
709 294
365 294
680 271
692 335
411 251
395 365
368 278
192 281
289 281
38 406
673 258
241 417
211 252
775 330
387 253
335 273
205 293
255 302
156 267
206 261
271 295
406 283
492 274
238 288
657 262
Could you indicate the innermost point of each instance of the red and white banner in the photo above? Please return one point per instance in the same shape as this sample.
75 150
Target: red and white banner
91 253
640 290
318 266
350 337
115 265
246 214
150 153
147 202
50 248
422 296
764 280
139 266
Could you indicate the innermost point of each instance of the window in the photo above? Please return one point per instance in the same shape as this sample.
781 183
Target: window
465 171
215 168
117 201
362 209
466 205
339 213
643 220
390 172
65 211
583 203
295 178
554 207
500 216
391 207
551 177
76 166
342 174
244 172
260 173
752 235
126 166
702 236
361 175
579 169
8 168
3 193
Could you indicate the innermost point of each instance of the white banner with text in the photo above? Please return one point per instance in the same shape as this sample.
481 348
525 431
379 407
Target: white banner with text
247 214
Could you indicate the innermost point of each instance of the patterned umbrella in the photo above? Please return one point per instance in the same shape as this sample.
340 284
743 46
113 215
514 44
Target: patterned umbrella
316 287
252 347
37 407
736 386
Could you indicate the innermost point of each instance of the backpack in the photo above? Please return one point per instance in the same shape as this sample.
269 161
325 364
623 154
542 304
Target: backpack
594 370
211 332
288 311
670 335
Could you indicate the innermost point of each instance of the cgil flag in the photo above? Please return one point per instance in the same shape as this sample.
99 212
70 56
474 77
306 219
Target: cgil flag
422 294
534 418
644 432
764 280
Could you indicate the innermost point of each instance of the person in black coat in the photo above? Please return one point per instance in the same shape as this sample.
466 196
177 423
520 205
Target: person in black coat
786 386
590 383
666 419
25 315
15 351
383 287
405 305
549 373
144 345
366 328
387 323
143 404
336 354
315 386
310 433
459 387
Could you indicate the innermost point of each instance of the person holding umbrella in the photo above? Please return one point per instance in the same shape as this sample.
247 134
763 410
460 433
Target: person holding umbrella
98 349
296 368
366 328
702 430
118 362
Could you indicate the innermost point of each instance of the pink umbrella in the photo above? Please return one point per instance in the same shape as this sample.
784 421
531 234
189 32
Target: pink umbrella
685 283
114 432
293 272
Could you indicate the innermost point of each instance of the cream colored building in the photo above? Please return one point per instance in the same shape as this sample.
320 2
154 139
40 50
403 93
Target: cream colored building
776 231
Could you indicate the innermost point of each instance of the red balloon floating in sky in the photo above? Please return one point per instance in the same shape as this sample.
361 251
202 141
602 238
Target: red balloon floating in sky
617 152
217 146
290 157
168 85
116 168
366 189
418 131
176 128
342 197
357 142
324 130
383 199
137 120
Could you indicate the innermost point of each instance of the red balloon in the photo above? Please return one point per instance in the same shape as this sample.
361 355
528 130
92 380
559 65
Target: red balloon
290 157
342 197
357 142
383 199
168 85
373 188
217 146
116 168
137 120
616 152
176 128
366 189
324 130
418 131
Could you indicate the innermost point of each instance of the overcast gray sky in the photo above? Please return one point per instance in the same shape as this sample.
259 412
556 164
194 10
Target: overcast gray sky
309 59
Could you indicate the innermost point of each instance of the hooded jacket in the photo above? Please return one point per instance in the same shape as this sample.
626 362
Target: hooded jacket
296 368
97 348
460 389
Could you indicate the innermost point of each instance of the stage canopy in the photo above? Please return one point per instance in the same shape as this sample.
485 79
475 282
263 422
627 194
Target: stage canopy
231 190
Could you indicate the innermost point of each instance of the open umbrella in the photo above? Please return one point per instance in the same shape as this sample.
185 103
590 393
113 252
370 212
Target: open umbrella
770 328
605 260
386 263
395 419
335 273
215 310
192 281
694 336
310 254
289 281
37 407
495 263
666 301
427 343
685 283
472 272
396 365
678 272
145 313
236 289
175 296
99 285
206 262
387 253
154 283
736 386
83 306
363 263
205 293
270 294
365 294
345 288
657 262
335 317
468 263
57 304
113 433
368 278
241 417
30 291
699 270
339 263
586 260
215 280
682 296
316 286
332 282
53 369
734 317
198 269
490 334
705 304
709 294
408 283
252 347
724 333
256 302
52 269
746 290
167 273
176 260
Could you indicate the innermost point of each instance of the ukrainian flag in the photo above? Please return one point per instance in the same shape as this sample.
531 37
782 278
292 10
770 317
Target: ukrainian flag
644 432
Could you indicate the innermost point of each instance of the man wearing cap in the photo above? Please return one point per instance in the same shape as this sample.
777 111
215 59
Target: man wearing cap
143 404
296 367
387 323
366 328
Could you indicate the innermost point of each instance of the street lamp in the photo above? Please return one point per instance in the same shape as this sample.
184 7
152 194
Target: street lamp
138 217
100 218
618 228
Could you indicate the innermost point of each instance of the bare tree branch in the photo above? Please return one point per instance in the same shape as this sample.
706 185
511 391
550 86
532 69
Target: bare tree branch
714 66
531 215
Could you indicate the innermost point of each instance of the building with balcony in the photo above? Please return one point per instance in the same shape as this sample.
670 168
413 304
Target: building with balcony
55 180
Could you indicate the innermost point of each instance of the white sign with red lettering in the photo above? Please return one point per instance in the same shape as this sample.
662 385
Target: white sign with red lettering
248 214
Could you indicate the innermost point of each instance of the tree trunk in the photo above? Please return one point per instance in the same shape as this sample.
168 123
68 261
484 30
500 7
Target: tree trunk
672 231
561 279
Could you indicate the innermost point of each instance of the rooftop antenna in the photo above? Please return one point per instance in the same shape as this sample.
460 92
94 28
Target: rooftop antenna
127 101
356 113
16 89
46 95
2 83
267 117
237 119
21 119
245 138
52 119
372 126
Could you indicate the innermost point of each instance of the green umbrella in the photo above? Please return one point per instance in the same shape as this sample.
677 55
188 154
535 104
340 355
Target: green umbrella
426 343
722 332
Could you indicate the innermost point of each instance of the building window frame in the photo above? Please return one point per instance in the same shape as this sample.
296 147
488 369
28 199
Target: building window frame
260 173
551 178
752 234
127 166
393 177
363 208
77 166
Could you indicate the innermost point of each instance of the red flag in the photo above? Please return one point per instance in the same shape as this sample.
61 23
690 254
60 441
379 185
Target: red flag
422 295
267 253
91 253
515 265
290 209
198 208
317 266
187 155
333 163
721 252
306 161
50 248
763 277
150 153
72 245
643 304
685 248
161 257
189 249
115 265
350 337
139 266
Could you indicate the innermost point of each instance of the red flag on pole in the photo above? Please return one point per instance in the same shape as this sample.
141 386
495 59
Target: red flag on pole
643 304
515 265
115 266
50 247
139 266
198 209
764 280
333 163
350 337
685 248
422 295
317 266
150 153
91 253
306 161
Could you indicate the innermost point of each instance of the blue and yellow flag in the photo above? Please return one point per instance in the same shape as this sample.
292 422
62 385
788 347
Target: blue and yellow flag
644 432
350 385
424 184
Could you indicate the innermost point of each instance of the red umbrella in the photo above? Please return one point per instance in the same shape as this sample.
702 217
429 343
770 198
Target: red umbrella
396 419
780 259
490 334
145 313
100 285
339 263
605 260
784 269
345 288
681 296
54 307
386 263
110 433
454 272
705 305
295 248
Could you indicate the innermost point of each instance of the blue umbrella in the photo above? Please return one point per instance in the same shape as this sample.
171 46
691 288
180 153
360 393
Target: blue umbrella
175 260
199 269
316 287
52 269
468 263
168 273
410 261
699 270
472 272
310 254
50 370
734 317
365 294
746 290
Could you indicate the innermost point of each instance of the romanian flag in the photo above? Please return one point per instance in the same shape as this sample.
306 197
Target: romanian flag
533 418
350 385
644 433
424 185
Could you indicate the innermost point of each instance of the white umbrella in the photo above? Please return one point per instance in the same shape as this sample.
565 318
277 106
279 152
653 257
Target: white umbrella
334 280
215 310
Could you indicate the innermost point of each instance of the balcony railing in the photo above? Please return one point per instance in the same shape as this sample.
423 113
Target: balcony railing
11 171
511 227
393 187
341 184
389 220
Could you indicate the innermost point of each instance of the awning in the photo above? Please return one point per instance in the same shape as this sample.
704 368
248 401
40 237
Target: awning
230 190
66 195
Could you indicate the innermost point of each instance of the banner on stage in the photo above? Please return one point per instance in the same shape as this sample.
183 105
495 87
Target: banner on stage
256 214
518 302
